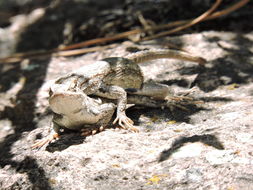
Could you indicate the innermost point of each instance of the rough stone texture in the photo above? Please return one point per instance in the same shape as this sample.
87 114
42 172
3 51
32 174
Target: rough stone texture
27 25
208 147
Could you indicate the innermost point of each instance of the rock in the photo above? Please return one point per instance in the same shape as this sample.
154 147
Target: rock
207 147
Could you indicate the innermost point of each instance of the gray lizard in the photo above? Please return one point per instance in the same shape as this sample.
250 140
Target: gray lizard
76 97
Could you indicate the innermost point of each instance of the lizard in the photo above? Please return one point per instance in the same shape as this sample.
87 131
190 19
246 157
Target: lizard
76 98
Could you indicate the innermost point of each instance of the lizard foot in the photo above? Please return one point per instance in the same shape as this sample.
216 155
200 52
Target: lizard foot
44 141
125 122
89 131
180 102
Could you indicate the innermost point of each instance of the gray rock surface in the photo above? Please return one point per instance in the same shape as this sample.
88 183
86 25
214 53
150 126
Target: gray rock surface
208 147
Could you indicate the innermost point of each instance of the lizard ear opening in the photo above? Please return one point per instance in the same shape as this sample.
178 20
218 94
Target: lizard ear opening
50 92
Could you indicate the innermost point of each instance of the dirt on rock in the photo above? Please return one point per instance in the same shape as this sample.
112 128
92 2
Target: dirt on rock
207 146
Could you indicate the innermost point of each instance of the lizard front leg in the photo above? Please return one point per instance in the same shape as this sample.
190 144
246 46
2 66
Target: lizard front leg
118 93
54 134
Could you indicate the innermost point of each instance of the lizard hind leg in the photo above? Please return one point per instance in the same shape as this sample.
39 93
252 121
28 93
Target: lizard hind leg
180 102
152 89
157 92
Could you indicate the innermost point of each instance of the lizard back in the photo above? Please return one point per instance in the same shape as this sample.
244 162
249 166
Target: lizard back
124 73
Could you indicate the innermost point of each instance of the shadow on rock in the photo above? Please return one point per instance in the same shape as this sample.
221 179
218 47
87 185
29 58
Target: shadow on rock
65 141
234 67
208 139
36 174
182 113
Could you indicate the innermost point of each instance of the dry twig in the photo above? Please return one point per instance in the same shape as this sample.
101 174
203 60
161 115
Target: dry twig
189 24
183 24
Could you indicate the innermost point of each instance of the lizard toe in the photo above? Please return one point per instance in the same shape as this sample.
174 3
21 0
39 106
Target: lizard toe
125 123
45 141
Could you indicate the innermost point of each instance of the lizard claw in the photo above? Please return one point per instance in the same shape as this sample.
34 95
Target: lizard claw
88 132
44 141
125 122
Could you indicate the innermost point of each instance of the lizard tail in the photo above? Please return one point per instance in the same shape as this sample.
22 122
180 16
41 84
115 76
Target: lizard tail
149 55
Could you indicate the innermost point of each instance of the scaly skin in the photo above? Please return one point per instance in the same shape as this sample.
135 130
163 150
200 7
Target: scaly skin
112 79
